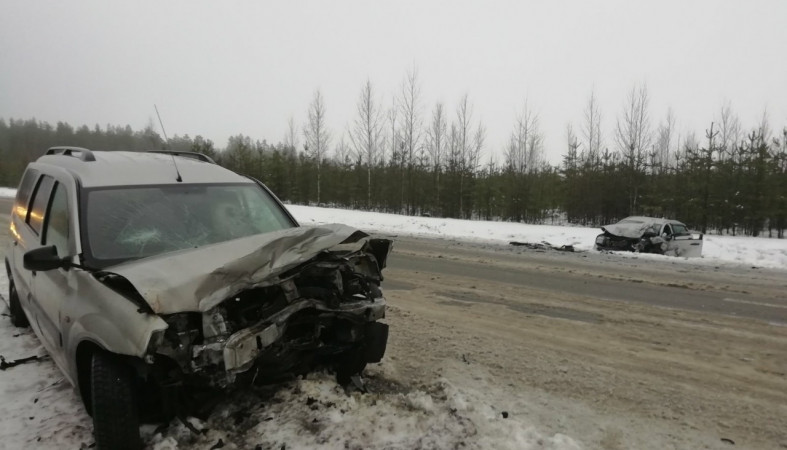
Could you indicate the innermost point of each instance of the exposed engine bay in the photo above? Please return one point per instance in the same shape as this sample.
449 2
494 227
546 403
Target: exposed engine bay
322 312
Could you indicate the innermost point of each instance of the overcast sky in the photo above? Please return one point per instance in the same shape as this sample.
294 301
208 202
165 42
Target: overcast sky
218 69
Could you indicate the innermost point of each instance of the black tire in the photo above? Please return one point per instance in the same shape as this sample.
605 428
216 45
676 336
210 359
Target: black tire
18 317
349 364
115 417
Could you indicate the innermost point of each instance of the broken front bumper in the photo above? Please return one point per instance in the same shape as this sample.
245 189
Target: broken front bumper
243 347
303 333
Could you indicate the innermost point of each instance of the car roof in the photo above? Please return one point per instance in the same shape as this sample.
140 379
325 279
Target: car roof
122 168
645 219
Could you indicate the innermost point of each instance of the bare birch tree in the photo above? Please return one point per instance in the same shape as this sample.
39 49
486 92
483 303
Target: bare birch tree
764 127
632 132
662 149
525 148
409 108
690 142
474 156
366 133
591 129
291 141
436 136
394 144
468 145
316 135
572 142
633 137
342 153
730 132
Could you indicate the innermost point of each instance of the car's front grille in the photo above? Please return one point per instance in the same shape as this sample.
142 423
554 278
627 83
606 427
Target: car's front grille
253 305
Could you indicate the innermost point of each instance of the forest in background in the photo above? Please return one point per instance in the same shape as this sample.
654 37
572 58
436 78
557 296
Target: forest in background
402 159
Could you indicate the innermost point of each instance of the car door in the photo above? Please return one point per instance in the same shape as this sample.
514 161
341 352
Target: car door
51 287
667 235
24 238
31 234
686 244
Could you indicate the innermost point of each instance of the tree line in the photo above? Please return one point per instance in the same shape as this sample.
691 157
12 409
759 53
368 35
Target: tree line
401 159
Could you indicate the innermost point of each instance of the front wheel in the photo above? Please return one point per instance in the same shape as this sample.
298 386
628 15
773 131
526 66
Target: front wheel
18 317
115 418
350 363
370 351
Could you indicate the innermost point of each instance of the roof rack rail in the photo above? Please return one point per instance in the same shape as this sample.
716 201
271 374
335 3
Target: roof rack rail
77 152
193 155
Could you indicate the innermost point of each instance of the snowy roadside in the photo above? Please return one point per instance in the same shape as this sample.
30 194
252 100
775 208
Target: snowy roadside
730 250
39 407
41 410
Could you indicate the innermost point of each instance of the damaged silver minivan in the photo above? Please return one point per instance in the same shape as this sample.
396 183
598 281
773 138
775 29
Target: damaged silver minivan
152 277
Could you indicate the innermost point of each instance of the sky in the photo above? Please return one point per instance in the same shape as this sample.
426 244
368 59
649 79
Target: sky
219 69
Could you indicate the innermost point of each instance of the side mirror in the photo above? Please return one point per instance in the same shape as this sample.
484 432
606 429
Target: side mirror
43 259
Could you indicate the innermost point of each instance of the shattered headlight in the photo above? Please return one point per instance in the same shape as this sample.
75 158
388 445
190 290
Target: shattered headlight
183 330
214 324
155 341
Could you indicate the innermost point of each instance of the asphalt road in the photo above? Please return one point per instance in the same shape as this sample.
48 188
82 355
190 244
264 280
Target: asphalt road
738 291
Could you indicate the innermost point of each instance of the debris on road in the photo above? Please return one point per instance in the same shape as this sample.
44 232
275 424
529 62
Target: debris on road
7 365
543 245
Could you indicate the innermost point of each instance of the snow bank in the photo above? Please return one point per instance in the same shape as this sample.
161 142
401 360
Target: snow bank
474 230
760 252
751 251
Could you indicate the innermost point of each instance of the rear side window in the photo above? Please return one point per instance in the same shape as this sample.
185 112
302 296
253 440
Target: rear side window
24 192
57 221
35 216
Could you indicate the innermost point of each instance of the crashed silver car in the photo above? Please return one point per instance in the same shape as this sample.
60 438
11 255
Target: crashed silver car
153 278
650 235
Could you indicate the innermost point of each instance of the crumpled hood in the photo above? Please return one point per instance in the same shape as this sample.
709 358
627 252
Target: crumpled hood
201 278
632 230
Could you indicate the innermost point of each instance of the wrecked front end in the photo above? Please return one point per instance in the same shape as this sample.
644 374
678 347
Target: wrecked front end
648 242
300 298
626 235
323 312
610 242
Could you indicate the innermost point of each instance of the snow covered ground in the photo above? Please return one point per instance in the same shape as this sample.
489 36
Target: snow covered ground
749 251
462 409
